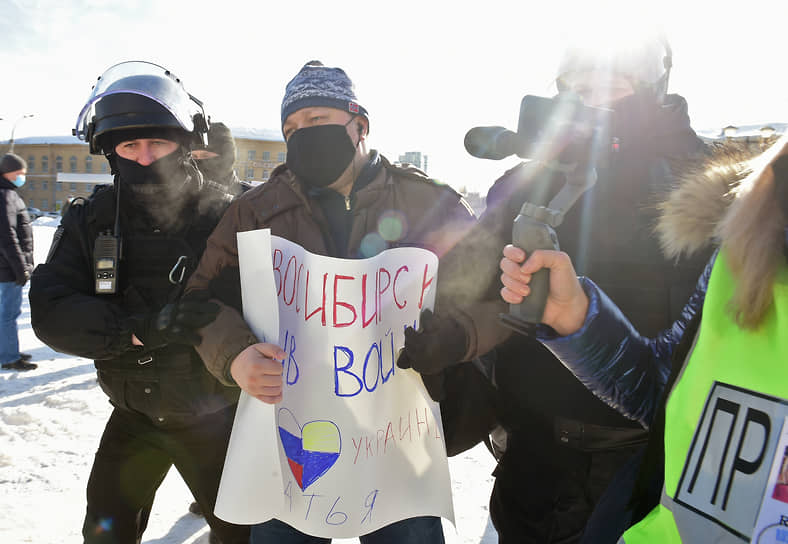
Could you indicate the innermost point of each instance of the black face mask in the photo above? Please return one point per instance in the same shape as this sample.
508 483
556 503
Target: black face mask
318 155
167 169
632 115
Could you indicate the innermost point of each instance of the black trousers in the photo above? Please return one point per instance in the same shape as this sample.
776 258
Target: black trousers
133 458
545 492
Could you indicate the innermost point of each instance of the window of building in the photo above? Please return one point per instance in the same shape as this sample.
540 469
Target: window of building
31 163
58 164
31 203
59 186
266 155
73 186
104 167
281 156
72 164
88 164
44 185
251 154
58 205
45 164
249 173
265 174
44 203
31 185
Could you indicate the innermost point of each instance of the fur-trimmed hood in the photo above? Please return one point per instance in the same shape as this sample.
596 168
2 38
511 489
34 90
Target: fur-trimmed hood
689 217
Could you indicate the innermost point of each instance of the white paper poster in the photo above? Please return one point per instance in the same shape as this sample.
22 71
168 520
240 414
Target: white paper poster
356 443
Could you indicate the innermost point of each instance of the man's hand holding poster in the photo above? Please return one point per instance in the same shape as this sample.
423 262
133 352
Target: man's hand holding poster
356 442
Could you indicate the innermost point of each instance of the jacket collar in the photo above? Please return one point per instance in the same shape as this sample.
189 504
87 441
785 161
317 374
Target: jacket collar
5 184
370 182
704 191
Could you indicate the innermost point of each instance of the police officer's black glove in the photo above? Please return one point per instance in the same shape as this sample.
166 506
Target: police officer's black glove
218 168
177 322
440 342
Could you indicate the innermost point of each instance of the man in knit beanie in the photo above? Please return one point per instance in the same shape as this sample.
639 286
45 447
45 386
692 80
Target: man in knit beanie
16 260
329 197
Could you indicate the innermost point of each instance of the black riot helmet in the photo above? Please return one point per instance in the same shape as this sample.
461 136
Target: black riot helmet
138 96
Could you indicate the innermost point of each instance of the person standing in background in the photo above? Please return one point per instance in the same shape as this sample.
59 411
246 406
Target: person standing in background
16 260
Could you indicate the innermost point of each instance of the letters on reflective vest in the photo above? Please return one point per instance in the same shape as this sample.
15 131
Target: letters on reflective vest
728 464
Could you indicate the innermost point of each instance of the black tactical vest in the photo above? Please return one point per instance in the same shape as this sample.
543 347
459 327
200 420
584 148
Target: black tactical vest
169 383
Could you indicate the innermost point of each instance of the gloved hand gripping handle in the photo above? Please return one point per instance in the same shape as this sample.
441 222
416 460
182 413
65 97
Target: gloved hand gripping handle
533 230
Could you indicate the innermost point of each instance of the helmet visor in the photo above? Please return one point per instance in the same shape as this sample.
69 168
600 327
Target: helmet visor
143 79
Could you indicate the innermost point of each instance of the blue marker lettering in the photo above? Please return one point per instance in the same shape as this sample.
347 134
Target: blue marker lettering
344 369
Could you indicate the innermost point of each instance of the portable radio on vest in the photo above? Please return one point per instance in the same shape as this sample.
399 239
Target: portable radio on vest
105 263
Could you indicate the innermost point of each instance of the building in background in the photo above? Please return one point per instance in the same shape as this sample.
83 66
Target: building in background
259 151
60 168
755 137
416 158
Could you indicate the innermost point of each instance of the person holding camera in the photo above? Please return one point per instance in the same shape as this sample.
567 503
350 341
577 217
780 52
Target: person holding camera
557 445
710 387
111 290
16 260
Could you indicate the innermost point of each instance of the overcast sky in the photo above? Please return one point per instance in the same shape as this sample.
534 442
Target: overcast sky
426 71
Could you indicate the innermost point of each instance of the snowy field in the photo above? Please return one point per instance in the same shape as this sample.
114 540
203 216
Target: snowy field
51 419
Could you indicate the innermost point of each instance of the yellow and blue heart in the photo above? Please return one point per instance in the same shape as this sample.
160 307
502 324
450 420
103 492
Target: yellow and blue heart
311 450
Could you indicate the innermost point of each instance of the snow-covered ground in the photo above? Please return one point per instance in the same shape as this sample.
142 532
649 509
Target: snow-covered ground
51 419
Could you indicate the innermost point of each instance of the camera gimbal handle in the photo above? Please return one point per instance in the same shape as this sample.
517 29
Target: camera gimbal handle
533 229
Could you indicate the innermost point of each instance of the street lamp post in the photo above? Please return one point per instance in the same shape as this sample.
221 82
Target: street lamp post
13 128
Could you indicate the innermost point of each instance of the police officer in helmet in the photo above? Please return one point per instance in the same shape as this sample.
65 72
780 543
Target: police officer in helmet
111 290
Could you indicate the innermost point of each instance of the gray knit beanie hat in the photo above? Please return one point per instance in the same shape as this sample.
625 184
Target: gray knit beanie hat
318 85
11 163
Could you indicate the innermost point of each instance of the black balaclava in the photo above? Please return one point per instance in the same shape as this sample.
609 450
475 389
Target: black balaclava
631 117
159 193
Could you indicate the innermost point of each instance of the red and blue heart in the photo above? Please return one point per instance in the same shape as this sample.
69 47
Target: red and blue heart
311 450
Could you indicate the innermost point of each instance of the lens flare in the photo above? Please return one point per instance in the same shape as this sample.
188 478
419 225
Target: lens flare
372 244
391 226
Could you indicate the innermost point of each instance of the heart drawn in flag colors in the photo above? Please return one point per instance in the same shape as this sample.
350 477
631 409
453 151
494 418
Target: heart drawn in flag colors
311 450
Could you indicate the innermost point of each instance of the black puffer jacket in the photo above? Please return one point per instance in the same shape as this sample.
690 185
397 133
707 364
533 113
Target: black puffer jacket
16 235
168 384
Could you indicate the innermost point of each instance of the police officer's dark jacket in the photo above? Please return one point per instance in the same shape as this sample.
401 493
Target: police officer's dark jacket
168 384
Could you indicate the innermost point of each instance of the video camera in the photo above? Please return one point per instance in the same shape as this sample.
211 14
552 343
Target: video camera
565 135
553 130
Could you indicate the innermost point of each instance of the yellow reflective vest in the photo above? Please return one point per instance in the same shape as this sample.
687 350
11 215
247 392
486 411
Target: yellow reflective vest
723 420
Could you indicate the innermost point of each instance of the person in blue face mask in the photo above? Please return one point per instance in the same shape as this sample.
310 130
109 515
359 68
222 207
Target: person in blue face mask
16 260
